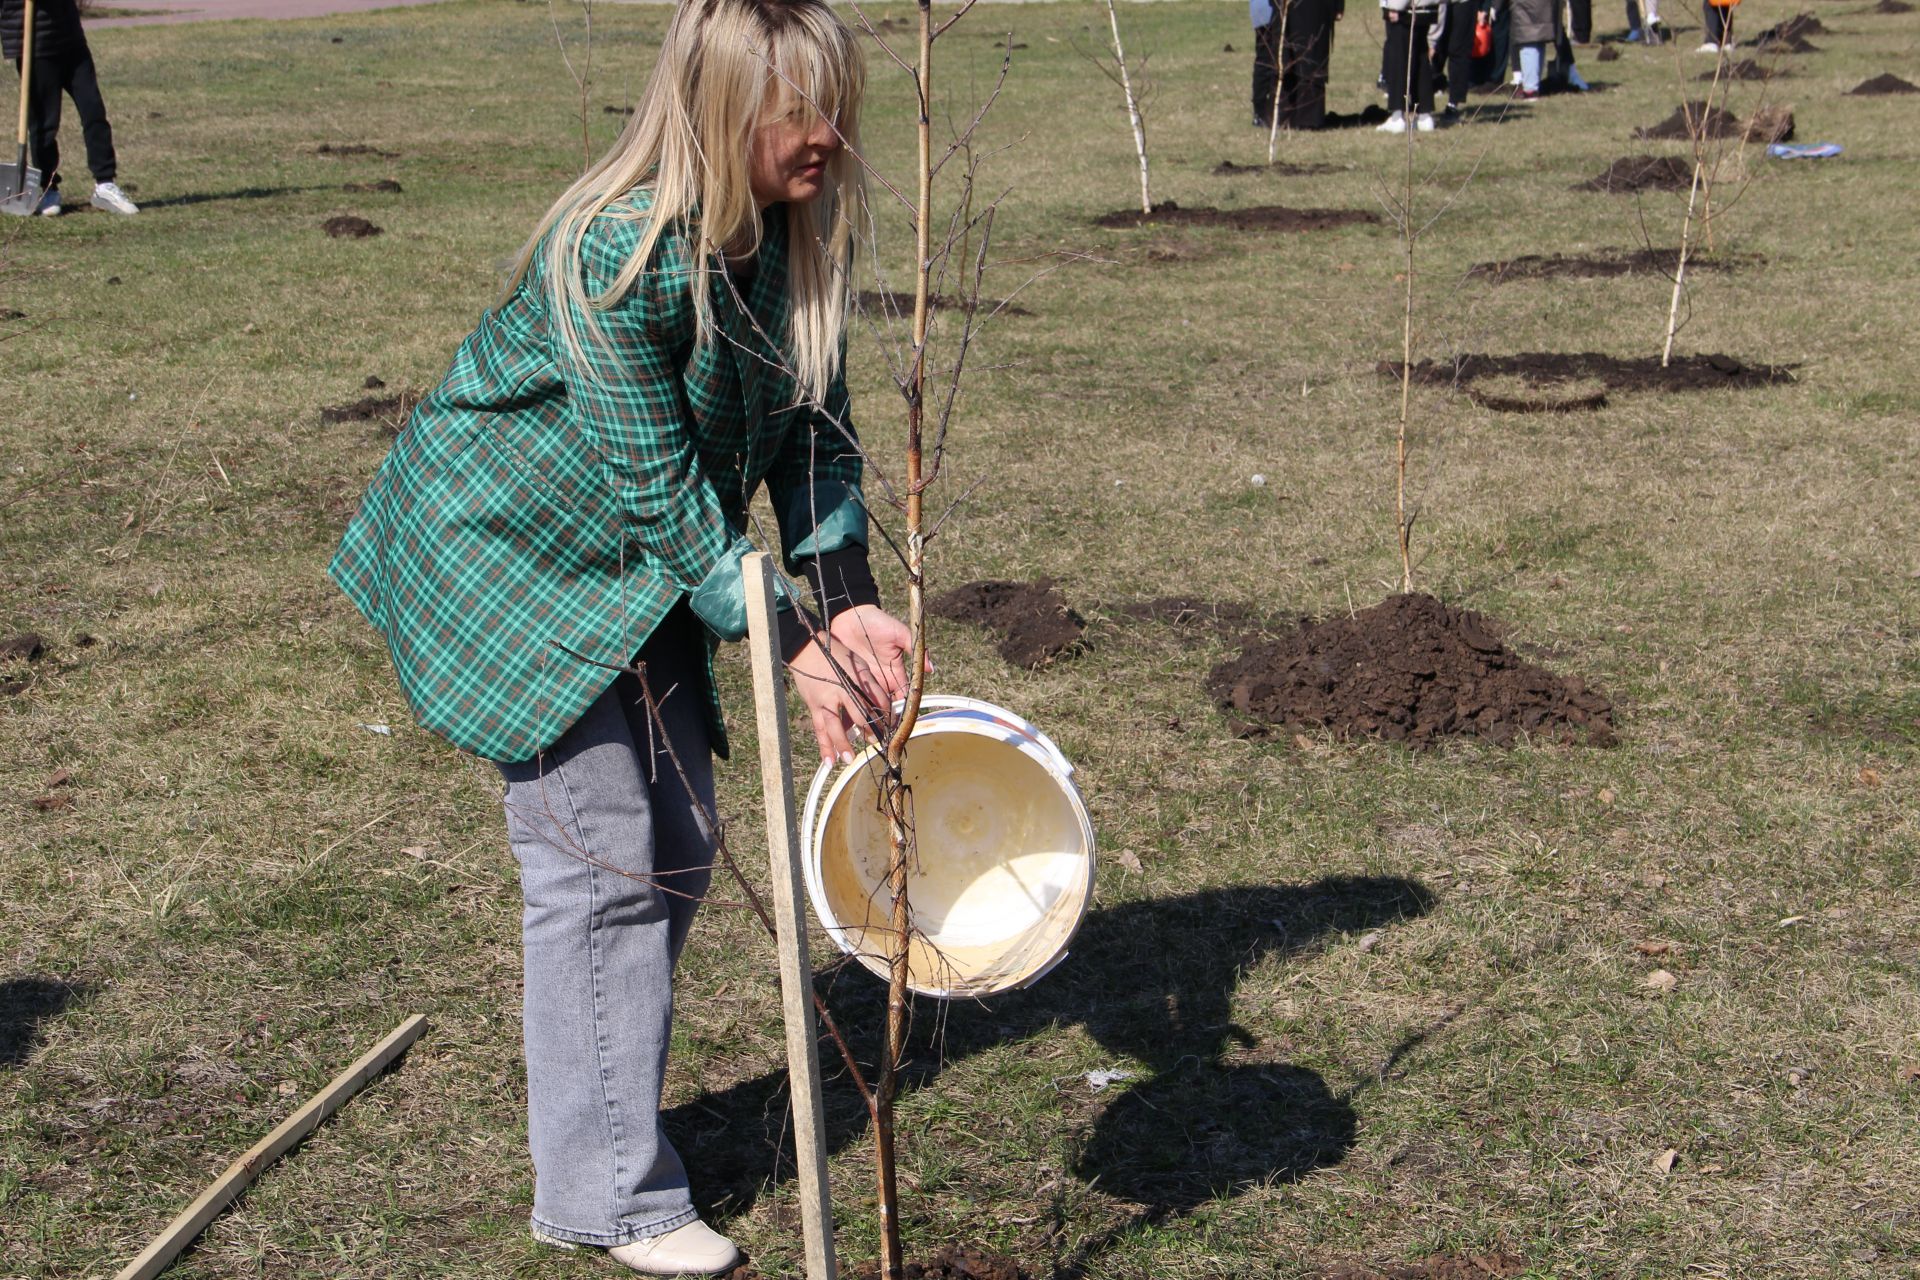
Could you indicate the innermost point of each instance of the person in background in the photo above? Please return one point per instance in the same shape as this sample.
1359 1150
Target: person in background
1533 29
1652 31
1460 19
1409 24
1580 21
1299 70
1717 33
62 64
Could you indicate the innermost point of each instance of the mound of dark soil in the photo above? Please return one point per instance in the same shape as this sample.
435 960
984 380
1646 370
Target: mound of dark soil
901 304
12 313
1032 619
1615 373
347 226
955 1262
1798 27
1882 84
1747 69
1266 217
389 411
1785 44
1279 169
387 185
1630 174
1438 1266
1410 669
1708 122
1600 266
1607 54
1893 6
352 149
22 651
616 111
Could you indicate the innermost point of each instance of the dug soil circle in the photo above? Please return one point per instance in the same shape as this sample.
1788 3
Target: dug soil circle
1266 217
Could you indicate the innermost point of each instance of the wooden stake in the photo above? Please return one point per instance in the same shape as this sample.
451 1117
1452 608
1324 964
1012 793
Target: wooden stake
156 1257
790 936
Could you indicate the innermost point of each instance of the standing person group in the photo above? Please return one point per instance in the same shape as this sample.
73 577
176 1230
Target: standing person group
1292 47
62 64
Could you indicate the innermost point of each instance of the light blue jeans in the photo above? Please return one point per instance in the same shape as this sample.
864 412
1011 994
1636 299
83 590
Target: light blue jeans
613 864
1532 57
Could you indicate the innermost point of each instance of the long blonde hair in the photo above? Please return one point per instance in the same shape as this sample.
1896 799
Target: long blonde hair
726 67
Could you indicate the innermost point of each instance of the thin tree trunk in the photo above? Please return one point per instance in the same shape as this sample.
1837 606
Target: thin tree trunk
896 798
1133 109
1697 129
1279 81
1405 528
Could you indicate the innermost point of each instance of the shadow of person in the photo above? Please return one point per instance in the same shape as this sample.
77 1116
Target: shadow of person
25 1003
1152 980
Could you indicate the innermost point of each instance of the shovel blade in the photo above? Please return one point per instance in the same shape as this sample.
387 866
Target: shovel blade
19 190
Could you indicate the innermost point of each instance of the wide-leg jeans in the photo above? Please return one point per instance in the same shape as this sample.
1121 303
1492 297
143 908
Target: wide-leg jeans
614 860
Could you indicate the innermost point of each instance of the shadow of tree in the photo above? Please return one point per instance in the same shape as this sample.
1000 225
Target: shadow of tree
1152 980
242 193
25 1003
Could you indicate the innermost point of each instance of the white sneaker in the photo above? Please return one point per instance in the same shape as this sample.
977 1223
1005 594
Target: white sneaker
112 199
49 206
1708 47
1424 122
694 1250
1396 123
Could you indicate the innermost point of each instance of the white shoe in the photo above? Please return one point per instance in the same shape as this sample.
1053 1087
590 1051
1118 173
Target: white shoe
1396 123
112 199
49 206
1424 122
694 1250
1708 47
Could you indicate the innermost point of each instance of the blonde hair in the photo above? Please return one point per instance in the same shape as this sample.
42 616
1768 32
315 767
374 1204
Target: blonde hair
726 67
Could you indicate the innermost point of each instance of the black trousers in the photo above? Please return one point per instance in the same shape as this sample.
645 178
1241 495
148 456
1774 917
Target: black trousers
1407 36
1580 25
1300 69
1716 18
72 75
1462 15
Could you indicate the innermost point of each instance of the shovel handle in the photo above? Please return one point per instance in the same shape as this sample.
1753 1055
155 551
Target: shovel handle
26 74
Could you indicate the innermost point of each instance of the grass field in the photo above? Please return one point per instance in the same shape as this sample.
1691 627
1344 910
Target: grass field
1378 1005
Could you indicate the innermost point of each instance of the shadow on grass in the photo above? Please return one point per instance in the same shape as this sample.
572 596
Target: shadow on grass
25 1003
243 193
1153 982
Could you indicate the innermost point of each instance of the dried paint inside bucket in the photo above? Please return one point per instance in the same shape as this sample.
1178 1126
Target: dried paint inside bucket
1005 867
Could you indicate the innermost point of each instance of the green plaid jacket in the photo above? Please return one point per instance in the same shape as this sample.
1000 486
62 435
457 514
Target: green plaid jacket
528 509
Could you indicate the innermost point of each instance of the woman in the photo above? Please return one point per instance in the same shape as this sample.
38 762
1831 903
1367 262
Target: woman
575 493
1298 71
1409 63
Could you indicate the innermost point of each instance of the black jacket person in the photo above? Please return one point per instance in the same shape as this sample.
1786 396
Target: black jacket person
62 64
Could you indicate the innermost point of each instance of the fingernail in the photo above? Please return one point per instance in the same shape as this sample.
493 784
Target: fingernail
846 757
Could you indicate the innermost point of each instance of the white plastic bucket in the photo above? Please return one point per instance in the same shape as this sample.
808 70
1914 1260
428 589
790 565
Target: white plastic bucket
1006 853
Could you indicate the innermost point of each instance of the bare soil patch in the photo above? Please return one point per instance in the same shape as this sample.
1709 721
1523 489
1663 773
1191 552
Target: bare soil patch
890 303
1632 174
383 185
1607 54
349 226
1266 217
1883 84
390 411
1892 6
1550 369
955 1262
1439 1266
1411 670
16 655
1033 620
1771 124
1279 168
1603 265
352 149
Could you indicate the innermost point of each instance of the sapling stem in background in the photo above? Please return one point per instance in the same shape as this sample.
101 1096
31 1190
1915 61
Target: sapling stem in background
1696 132
582 77
1133 107
1403 524
1279 81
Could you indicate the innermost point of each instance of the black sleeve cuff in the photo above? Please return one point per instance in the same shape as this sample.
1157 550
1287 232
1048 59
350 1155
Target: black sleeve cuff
797 626
841 580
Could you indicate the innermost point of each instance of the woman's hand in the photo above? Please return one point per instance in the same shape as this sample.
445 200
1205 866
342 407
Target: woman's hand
880 640
845 700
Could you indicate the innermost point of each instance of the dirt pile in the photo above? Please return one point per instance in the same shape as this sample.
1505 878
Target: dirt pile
389 411
1410 670
1607 54
955 1262
1266 217
1792 34
1893 6
386 185
1278 169
1746 69
1885 83
1632 174
352 149
347 226
1603 265
1694 118
1032 619
1547 370
1438 1266
16 656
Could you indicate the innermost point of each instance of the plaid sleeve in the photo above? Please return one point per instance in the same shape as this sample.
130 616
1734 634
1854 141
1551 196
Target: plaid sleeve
628 389
815 481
